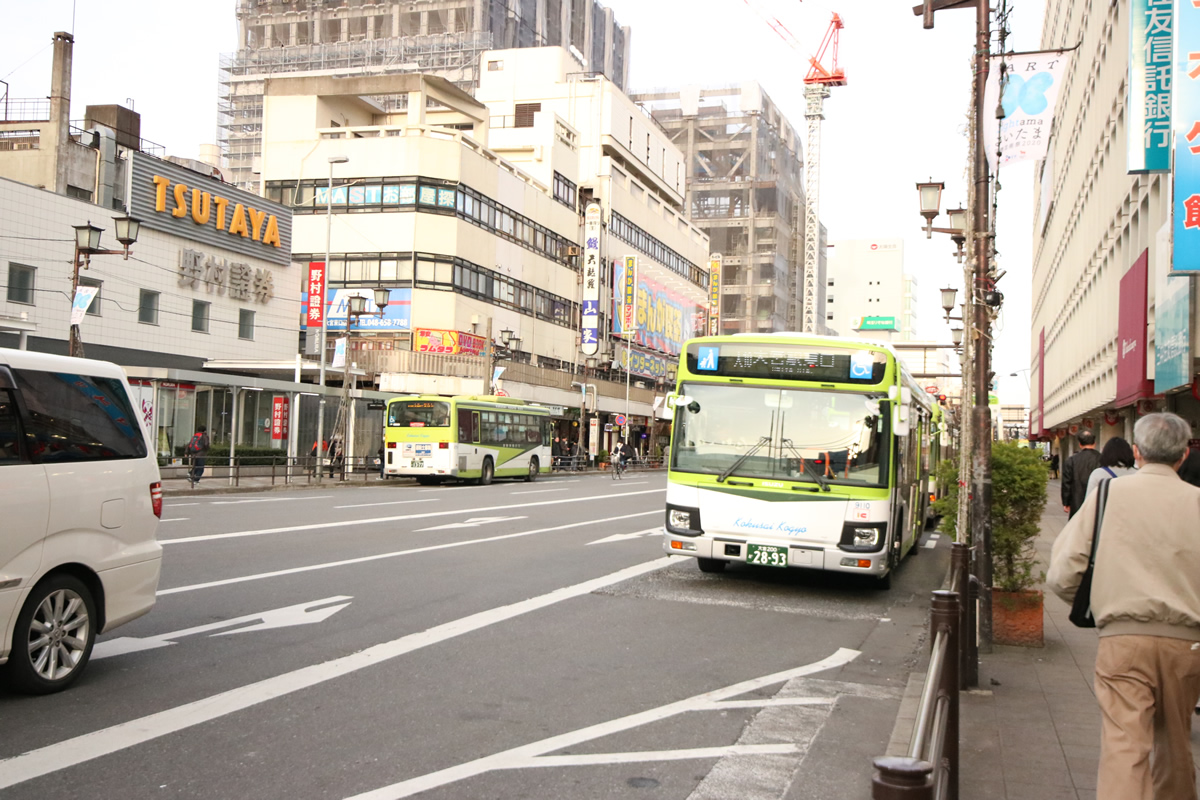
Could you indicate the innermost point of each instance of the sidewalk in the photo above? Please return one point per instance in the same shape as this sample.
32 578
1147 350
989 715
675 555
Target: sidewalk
1032 729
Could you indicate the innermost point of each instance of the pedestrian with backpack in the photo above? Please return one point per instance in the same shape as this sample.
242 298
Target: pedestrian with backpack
197 452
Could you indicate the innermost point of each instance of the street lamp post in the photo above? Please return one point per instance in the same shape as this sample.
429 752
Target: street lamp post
508 346
87 244
356 306
324 317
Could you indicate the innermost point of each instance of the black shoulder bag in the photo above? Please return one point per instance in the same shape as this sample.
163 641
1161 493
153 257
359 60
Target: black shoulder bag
1081 608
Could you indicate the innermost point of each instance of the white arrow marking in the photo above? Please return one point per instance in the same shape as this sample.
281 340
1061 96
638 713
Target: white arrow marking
286 617
620 537
473 522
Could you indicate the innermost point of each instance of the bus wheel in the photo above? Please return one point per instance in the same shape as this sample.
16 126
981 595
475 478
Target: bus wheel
485 477
533 470
711 564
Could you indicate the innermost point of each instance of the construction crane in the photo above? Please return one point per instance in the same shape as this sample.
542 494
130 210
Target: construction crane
816 88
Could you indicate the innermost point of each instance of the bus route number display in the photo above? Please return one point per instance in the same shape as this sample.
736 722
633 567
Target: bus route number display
786 362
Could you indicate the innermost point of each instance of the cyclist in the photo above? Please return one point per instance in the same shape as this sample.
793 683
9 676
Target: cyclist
625 456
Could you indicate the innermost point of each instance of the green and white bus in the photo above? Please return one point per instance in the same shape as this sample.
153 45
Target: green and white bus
435 438
791 450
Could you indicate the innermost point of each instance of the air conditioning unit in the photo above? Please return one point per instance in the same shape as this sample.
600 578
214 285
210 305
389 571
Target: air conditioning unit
572 250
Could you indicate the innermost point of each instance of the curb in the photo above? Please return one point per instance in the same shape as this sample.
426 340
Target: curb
281 487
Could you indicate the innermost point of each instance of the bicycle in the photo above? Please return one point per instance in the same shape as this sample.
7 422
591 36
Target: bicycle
618 468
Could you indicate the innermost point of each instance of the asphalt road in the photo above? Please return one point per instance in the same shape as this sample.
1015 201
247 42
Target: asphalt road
511 641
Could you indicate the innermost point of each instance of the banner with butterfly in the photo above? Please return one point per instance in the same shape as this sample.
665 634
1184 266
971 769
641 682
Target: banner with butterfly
1025 86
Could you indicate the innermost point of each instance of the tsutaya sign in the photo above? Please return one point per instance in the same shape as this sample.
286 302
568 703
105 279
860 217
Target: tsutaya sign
169 198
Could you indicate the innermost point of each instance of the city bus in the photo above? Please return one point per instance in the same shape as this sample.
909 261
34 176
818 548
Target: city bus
795 450
436 439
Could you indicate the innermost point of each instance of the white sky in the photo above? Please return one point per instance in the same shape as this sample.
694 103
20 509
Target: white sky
900 119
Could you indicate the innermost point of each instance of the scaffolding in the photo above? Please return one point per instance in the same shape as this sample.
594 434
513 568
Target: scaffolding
745 189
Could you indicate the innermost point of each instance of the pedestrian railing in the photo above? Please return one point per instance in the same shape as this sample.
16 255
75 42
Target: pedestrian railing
930 769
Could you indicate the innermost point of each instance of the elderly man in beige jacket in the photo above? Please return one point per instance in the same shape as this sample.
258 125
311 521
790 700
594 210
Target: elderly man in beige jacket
1146 603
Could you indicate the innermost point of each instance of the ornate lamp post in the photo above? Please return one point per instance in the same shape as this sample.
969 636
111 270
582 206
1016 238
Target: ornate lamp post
87 244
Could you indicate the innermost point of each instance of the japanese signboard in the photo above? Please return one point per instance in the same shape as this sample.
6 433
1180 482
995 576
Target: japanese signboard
426 340
590 327
714 294
225 277
279 418
1172 320
396 314
643 364
314 313
664 320
629 295
1185 99
1131 334
1148 117
875 324
1030 91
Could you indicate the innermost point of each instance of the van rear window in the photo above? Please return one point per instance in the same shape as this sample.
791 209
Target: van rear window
79 417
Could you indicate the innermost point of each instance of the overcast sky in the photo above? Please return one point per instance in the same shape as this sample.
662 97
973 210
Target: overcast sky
901 118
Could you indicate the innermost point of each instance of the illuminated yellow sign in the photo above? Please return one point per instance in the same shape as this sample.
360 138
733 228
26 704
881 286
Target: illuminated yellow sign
242 220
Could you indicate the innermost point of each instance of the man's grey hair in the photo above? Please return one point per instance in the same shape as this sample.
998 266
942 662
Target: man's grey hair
1162 438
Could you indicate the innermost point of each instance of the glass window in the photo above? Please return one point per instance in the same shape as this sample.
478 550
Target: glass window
387 269
200 316
444 273
418 414
94 308
245 323
20 283
10 430
148 307
79 417
785 434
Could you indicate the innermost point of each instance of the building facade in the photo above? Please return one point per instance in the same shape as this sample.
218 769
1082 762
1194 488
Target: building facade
745 188
440 37
867 291
1102 243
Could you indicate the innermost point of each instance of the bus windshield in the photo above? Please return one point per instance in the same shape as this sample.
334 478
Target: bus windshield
418 414
821 437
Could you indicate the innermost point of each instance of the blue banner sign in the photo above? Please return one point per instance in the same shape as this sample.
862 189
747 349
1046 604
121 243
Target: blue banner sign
397 314
1148 123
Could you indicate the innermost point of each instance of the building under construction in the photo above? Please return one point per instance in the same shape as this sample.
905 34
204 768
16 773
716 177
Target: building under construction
745 189
285 38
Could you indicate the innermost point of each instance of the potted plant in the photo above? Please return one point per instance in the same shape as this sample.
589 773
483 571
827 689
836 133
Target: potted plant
1018 498
602 459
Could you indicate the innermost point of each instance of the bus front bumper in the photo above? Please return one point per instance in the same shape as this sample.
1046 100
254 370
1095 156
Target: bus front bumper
803 556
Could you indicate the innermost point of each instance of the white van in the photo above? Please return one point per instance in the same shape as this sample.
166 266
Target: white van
80 500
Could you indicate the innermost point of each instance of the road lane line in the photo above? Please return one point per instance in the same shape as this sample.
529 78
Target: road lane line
539 491
376 520
646 756
390 503
177 519
178 505
270 500
396 554
528 755
89 746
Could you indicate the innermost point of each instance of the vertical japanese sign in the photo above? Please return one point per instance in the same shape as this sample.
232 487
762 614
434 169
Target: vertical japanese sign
279 418
1148 115
1185 97
714 294
1030 94
1172 320
629 303
589 334
316 288
1132 384
82 302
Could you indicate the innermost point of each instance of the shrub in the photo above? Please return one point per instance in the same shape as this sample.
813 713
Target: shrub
246 456
602 457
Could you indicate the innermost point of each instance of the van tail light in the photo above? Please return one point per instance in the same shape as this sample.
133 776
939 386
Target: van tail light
156 498
443 445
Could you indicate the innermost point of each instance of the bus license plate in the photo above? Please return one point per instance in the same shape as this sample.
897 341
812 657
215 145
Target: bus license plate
766 555
416 462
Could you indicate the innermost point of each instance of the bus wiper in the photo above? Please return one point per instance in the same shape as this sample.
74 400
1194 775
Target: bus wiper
821 481
742 458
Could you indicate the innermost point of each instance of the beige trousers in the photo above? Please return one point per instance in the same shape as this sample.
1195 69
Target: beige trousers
1147 687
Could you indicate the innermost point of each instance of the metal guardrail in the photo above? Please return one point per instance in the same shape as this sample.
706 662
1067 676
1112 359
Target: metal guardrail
930 770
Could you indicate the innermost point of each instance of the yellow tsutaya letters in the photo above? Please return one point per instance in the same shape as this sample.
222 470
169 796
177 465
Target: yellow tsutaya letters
271 234
221 203
200 206
180 209
237 223
256 221
160 192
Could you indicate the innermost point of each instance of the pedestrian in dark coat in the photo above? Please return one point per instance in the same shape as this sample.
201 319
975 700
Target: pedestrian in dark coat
1076 471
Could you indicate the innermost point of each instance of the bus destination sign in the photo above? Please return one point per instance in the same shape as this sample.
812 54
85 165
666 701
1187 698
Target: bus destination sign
786 362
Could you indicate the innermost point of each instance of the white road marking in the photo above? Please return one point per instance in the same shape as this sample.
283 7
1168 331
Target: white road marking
289 616
177 519
178 505
539 491
620 537
390 503
396 554
529 754
376 520
270 500
639 756
932 541
89 746
623 482
473 522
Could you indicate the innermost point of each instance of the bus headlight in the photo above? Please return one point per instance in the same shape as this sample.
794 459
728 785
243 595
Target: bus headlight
866 537
684 520
862 537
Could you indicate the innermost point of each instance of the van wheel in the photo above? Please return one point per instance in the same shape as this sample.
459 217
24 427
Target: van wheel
53 639
534 467
711 564
485 477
